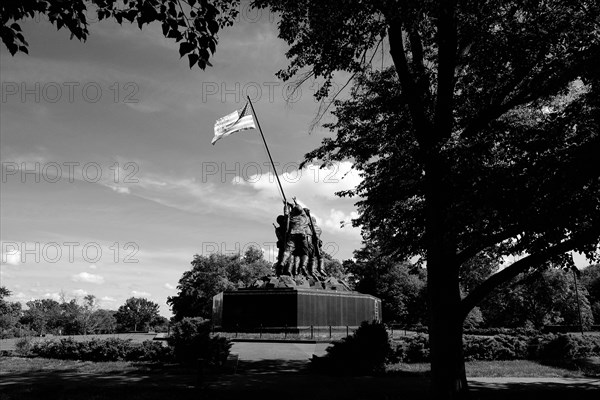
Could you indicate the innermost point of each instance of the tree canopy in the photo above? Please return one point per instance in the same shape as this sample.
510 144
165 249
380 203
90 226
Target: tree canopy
479 139
137 313
193 24
213 274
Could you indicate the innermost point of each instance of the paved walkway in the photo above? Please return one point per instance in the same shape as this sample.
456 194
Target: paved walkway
257 351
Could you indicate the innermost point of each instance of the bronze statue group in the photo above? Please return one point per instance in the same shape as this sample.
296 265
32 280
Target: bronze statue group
299 243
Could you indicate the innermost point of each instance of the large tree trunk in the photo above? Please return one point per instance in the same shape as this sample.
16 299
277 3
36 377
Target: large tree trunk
445 332
445 327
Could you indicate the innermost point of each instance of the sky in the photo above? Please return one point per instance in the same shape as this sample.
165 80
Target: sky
110 184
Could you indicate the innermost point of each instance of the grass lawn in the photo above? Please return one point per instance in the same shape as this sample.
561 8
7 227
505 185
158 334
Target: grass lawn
584 368
38 378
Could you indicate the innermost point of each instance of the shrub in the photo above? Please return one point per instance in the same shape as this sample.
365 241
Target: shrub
63 349
501 331
191 340
364 352
107 349
150 350
111 349
565 346
500 347
16 332
474 319
506 347
23 346
413 349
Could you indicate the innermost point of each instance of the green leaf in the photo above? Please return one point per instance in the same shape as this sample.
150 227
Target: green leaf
213 27
193 59
204 54
185 47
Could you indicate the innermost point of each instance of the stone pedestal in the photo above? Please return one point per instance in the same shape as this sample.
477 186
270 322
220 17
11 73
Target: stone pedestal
292 307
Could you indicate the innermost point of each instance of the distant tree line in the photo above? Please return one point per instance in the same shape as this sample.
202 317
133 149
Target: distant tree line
532 300
76 316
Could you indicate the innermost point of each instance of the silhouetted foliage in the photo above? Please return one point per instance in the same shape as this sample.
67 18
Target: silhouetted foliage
193 24
364 352
191 340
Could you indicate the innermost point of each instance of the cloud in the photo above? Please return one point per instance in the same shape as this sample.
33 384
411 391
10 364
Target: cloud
316 190
87 277
169 286
308 182
136 293
270 254
20 296
79 293
339 222
54 296
120 189
10 253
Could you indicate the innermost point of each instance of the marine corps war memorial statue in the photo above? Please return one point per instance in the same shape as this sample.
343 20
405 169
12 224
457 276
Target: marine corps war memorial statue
299 293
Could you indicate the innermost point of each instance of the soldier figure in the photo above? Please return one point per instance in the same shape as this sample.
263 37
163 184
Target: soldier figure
316 261
281 239
296 242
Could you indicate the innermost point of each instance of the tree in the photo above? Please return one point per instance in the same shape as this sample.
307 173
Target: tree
481 138
211 275
70 317
136 313
193 24
590 279
333 267
86 318
42 316
104 321
536 299
401 286
10 312
159 324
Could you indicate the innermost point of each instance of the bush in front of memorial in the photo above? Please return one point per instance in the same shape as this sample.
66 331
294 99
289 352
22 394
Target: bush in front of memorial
365 352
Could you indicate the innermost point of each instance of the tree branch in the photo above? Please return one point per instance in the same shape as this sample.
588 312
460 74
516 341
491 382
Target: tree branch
414 101
508 273
487 241
447 40
527 92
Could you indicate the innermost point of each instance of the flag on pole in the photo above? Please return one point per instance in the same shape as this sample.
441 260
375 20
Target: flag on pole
237 121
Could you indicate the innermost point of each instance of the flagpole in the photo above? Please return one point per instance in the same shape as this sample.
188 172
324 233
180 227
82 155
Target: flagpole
268 152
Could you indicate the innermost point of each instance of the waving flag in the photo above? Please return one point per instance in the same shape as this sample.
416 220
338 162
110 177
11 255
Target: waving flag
237 121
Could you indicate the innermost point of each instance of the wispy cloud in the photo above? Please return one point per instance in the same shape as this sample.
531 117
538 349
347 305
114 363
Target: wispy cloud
137 293
87 277
78 293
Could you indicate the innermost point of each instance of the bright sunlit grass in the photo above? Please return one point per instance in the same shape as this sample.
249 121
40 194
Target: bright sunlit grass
589 367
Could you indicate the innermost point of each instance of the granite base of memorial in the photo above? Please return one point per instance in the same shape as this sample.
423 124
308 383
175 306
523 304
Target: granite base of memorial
293 303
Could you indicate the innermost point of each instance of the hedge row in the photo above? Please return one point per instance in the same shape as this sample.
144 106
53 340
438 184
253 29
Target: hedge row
190 340
506 347
111 349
